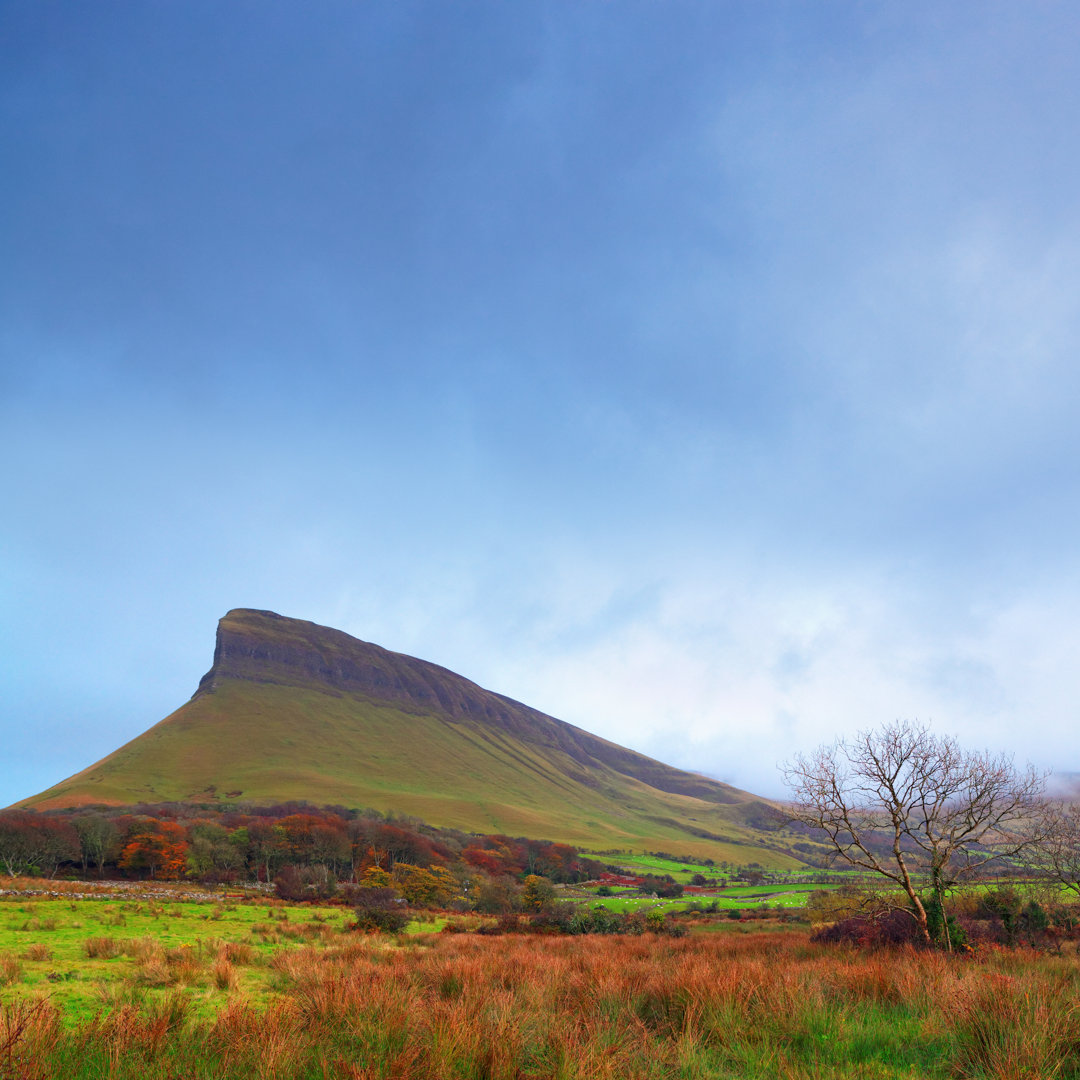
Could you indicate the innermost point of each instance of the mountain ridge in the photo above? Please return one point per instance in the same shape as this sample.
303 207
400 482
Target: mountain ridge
291 709
332 659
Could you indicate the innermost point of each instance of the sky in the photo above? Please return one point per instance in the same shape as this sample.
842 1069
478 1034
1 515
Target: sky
703 374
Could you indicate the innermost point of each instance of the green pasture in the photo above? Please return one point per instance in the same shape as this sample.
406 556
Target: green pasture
631 904
156 948
726 898
682 872
724 901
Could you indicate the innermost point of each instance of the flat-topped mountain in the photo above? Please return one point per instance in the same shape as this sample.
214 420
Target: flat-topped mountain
293 710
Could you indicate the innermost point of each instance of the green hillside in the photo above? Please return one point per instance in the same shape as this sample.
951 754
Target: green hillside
291 710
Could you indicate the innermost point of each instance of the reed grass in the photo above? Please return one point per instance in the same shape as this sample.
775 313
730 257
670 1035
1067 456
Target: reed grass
747 1006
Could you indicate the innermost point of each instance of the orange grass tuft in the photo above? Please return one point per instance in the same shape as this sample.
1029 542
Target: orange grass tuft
102 948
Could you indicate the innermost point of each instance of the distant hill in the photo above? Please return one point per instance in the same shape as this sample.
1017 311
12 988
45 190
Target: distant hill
292 710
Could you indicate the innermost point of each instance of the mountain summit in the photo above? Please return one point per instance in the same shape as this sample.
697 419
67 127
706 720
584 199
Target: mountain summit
293 710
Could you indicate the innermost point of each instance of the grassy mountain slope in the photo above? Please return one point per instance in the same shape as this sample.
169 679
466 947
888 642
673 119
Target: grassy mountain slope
291 710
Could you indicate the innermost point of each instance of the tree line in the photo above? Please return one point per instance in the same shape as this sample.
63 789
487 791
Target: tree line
304 850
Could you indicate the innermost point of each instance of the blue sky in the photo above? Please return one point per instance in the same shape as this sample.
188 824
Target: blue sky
703 374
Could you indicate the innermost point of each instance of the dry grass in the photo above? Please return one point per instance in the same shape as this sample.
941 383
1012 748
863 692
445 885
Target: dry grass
224 974
10 969
753 1006
238 953
102 948
28 1032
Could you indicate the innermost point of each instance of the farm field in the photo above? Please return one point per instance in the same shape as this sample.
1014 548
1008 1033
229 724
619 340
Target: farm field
725 900
260 989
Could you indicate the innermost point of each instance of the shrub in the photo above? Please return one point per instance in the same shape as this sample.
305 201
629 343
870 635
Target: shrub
1008 920
379 910
102 948
573 919
371 920
944 929
537 893
896 927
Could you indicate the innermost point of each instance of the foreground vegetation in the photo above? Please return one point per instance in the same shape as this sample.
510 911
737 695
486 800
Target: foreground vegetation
161 987
728 1004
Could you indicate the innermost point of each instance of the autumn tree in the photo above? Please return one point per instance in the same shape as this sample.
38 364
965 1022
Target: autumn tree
34 843
557 862
159 847
495 895
916 809
376 878
432 886
496 855
537 893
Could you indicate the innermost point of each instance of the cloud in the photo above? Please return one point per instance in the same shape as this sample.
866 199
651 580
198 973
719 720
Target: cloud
730 679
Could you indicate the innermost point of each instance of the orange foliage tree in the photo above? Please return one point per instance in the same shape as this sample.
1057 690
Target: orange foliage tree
158 846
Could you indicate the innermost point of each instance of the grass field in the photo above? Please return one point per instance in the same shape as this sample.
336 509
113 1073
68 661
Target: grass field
725 901
86 954
253 991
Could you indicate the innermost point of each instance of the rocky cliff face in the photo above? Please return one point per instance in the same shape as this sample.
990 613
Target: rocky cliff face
264 647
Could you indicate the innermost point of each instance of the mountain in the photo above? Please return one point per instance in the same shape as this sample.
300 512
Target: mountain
292 710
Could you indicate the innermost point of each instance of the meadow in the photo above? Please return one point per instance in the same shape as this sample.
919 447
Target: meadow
147 988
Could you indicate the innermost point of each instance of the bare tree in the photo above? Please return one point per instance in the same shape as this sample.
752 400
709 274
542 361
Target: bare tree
916 808
1058 854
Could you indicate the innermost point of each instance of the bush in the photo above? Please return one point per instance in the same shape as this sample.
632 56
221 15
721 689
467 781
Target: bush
1008 920
577 919
896 927
943 929
379 911
375 920
537 893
